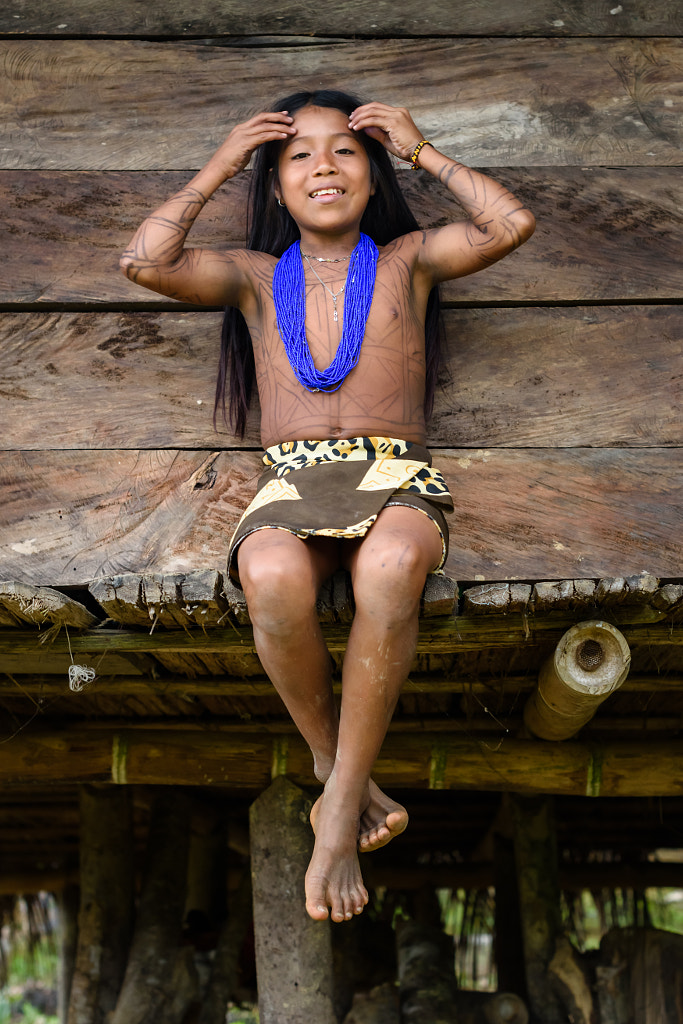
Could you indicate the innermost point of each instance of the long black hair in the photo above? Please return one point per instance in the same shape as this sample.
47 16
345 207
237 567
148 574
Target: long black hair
271 229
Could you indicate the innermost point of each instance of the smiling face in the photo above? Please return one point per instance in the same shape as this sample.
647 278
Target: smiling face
324 178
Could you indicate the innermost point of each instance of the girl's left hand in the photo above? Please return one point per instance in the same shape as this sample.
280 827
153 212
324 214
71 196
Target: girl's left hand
392 126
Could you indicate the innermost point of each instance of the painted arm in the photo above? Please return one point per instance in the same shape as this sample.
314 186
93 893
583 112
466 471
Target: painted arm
157 256
498 221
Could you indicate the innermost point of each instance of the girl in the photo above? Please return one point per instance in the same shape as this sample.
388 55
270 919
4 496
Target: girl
332 308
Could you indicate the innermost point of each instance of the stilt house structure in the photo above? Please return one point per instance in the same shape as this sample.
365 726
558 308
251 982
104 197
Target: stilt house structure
537 743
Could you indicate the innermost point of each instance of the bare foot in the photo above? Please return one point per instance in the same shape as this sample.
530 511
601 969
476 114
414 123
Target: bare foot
381 821
334 883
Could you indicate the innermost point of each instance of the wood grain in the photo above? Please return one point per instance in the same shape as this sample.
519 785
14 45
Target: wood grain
127 104
353 18
182 758
602 233
67 517
549 377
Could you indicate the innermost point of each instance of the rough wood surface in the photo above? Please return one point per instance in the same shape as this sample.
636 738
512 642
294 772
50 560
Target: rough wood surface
160 978
640 976
107 894
355 18
68 517
245 761
65 104
21 603
602 233
293 952
522 377
535 843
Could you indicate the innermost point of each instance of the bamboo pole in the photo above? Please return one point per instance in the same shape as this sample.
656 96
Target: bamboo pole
590 662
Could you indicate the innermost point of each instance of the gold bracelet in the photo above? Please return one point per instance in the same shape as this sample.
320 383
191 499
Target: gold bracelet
416 152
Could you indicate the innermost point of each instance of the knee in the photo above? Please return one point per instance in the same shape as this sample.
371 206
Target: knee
278 592
393 572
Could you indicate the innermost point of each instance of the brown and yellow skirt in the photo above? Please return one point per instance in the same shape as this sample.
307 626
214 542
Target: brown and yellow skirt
338 488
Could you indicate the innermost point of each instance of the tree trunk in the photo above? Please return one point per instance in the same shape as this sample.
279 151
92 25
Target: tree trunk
106 909
539 899
160 981
293 952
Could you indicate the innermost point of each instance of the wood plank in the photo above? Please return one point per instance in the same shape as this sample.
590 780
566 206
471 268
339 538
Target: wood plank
92 104
520 377
353 18
603 233
595 237
67 517
157 757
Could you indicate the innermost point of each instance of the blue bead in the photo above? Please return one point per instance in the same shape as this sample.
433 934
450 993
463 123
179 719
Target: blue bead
289 295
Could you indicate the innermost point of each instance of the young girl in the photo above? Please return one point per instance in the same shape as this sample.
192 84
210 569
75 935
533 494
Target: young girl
336 341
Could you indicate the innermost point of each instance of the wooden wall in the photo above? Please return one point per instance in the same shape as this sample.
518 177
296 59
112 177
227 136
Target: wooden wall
558 423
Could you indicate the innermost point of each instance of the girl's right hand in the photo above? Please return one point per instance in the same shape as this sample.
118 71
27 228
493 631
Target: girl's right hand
235 153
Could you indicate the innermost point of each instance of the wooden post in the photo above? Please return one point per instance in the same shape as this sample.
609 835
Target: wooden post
105 918
159 983
590 662
539 899
223 977
293 952
69 901
509 947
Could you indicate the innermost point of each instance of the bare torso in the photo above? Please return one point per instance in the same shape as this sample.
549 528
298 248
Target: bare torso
383 395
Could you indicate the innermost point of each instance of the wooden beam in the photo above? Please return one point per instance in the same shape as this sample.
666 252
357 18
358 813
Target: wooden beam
565 513
442 761
590 662
125 369
53 686
436 636
356 19
558 102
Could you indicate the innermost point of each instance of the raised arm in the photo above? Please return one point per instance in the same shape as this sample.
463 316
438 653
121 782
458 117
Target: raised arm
157 256
498 221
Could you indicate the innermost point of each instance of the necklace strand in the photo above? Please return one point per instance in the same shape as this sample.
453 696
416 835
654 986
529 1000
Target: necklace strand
289 296
335 295
325 259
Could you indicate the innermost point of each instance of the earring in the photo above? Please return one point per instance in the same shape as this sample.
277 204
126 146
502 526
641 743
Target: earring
280 203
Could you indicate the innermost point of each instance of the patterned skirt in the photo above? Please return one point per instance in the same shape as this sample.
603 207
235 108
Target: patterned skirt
338 488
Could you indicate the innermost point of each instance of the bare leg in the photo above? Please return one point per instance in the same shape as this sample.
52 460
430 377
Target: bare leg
388 569
281 576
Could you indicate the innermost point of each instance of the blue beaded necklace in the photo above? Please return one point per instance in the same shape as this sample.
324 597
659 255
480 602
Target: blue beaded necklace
289 294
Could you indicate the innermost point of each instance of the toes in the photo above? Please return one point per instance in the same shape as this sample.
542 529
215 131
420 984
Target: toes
316 899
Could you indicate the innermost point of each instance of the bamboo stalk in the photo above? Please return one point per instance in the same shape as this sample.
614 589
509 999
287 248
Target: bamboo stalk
590 662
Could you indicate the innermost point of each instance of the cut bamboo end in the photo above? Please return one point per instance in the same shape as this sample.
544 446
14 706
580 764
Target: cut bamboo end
590 662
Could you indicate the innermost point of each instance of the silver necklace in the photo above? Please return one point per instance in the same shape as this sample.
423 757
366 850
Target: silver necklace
335 295
324 259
